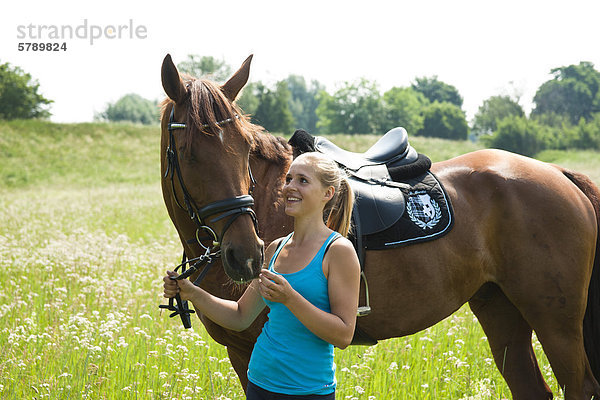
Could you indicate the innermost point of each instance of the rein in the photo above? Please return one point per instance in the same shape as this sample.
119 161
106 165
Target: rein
230 208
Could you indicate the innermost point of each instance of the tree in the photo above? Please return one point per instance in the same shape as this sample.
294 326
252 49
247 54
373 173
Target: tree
273 111
444 120
248 100
491 111
519 135
19 97
354 108
573 92
404 107
202 66
304 102
131 108
435 90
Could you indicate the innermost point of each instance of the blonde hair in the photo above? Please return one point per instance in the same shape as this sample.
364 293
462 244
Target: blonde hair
338 210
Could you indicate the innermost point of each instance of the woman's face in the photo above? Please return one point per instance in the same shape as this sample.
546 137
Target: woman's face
303 191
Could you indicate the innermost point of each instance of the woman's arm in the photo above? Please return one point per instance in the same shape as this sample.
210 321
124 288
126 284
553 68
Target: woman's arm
234 315
338 326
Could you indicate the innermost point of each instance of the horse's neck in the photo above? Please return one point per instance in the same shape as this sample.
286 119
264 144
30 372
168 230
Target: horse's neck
269 206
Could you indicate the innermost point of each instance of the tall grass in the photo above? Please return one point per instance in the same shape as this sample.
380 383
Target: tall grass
84 241
79 318
85 155
586 161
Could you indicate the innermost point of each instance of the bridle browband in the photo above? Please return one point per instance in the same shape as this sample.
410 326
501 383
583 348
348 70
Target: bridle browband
229 209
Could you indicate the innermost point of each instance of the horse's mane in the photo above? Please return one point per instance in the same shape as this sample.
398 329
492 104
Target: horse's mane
271 148
208 106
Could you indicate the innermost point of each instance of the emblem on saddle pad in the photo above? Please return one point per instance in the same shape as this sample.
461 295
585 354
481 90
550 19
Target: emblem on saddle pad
423 210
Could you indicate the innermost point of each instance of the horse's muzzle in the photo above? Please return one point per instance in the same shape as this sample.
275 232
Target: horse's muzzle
243 266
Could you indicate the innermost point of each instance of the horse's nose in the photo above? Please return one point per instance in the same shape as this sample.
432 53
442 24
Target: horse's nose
231 258
240 266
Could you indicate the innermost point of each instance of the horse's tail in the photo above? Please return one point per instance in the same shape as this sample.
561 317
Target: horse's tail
591 321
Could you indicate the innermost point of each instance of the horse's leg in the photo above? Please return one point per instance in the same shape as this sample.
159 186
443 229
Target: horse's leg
509 337
562 341
553 304
240 357
554 309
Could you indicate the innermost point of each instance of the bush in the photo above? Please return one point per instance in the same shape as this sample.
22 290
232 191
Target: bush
519 135
587 134
131 108
444 120
562 135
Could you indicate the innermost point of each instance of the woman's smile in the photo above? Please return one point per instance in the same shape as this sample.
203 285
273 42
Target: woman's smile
291 202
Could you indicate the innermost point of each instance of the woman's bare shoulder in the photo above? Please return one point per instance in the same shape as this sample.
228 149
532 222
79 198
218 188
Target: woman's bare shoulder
270 250
341 252
342 244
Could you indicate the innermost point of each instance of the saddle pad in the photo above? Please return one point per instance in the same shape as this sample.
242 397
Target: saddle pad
428 215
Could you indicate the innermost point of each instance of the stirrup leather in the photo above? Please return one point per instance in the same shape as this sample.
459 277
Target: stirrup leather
366 309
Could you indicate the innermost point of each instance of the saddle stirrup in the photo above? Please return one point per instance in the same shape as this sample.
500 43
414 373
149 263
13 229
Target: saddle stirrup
364 310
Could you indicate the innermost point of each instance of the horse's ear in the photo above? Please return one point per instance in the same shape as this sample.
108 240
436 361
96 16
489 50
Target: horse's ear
171 80
232 87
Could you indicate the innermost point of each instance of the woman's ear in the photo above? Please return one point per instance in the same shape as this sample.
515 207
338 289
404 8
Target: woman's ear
329 193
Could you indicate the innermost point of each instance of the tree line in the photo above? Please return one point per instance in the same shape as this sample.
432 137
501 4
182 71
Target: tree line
566 113
429 107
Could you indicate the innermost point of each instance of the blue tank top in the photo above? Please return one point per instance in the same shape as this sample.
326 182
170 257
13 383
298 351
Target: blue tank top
287 357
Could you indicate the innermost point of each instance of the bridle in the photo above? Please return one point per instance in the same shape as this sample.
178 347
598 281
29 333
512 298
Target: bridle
229 209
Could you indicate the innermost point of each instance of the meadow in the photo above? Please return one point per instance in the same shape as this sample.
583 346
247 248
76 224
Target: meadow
84 242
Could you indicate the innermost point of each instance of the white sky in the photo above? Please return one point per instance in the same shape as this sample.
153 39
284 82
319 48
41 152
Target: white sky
483 48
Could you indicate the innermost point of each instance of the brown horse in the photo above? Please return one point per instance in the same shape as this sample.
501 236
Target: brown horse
521 252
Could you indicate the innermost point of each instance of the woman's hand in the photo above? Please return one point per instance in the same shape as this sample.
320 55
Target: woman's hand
171 287
275 287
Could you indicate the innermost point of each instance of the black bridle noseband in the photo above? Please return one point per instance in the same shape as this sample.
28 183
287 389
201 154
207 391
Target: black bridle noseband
229 209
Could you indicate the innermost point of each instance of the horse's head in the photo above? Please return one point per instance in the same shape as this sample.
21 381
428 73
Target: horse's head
206 144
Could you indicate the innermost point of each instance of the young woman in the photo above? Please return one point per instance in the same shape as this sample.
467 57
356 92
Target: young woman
310 285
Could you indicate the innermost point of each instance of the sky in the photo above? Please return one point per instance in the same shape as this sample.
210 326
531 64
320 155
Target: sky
483 48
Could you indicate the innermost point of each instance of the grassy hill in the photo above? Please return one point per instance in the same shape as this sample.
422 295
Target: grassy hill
88 154
34 153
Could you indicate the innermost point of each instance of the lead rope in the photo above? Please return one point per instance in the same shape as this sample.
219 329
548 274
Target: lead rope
181 307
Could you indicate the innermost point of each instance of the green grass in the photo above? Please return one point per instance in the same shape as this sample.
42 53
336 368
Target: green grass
84 241
586 161
83 155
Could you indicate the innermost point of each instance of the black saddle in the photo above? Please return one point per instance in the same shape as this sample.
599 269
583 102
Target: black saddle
391 148
373 174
